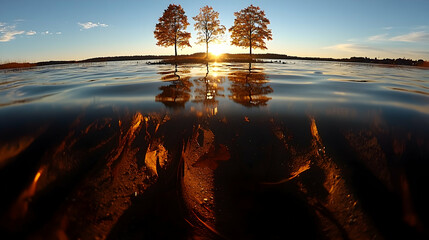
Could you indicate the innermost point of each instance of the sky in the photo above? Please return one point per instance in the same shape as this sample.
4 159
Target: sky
43 30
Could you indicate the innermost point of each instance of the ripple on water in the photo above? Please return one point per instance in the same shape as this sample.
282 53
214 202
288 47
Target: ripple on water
300 80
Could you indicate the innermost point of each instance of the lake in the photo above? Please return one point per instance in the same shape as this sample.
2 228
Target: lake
299 149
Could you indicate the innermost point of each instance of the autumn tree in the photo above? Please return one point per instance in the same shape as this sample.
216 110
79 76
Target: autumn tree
250 28
171 28
208 26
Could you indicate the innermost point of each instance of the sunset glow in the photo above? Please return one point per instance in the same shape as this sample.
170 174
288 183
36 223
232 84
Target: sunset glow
218 49
70 34
243 119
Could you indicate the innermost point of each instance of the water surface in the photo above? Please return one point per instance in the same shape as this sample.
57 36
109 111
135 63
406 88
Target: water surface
302 149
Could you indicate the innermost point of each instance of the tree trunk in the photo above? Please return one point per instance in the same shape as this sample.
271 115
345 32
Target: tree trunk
175 41
207 50
250 49
250 40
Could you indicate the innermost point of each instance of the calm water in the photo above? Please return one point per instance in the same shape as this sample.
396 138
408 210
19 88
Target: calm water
130 150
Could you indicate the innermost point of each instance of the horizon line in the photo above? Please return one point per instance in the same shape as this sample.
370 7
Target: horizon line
277 56
254 54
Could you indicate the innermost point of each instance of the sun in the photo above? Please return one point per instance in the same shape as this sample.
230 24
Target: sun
217 49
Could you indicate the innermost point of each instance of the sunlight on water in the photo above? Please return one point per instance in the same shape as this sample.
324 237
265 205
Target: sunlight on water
224 150
297 83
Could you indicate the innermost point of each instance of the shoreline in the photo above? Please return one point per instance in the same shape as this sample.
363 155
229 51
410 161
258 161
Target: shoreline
227 57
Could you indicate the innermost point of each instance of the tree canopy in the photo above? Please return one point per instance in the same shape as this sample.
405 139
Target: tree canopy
208 26
250 28
170 30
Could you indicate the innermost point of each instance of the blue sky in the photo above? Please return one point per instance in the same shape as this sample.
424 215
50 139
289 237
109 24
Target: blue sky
72 30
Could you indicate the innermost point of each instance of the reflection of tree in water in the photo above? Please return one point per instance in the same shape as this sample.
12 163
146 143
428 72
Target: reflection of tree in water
177 93
207 89
249 88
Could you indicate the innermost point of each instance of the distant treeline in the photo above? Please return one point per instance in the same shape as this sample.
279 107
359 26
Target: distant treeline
398 61
200 57
242 57
105 59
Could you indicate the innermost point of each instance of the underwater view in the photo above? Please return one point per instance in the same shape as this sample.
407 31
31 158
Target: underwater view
282 149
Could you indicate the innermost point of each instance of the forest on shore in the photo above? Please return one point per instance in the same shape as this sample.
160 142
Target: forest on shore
227 57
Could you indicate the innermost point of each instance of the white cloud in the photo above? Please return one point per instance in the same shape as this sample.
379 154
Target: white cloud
51 33
379 52
8 33
380 37
350 47
421 36
421 27
388 28
352 40
89 25
30 33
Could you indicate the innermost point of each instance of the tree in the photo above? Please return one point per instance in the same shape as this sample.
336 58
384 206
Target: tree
171 28
208 26
250 28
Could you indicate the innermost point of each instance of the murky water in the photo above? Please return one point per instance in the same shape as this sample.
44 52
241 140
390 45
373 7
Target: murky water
129 150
